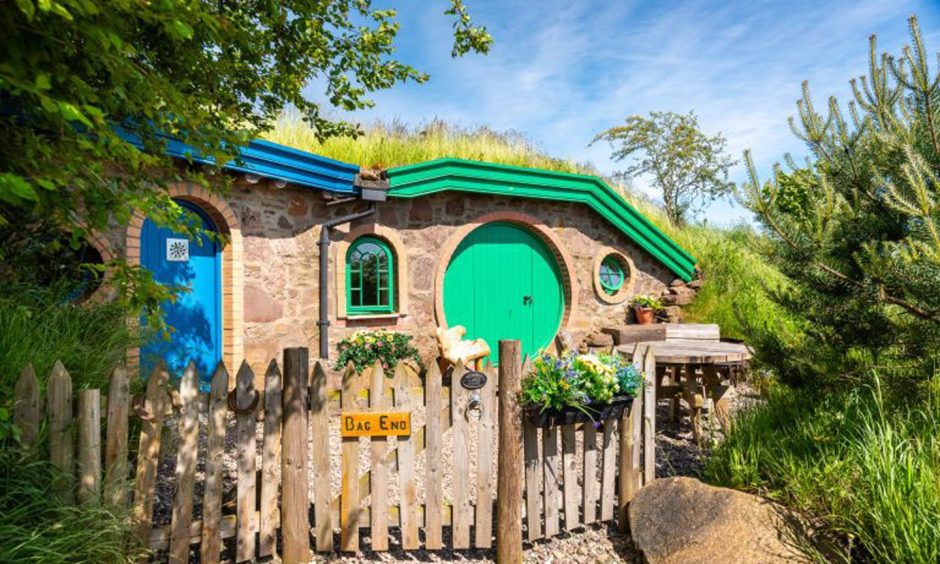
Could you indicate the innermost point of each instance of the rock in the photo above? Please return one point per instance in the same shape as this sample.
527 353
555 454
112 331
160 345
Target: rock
676 283
298 207
599 340
684 520
673 314
260 307
421 211
680 295
696 284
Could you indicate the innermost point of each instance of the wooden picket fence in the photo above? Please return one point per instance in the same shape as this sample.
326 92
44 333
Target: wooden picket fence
294 408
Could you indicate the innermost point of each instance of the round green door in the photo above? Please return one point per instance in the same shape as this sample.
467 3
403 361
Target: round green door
504 283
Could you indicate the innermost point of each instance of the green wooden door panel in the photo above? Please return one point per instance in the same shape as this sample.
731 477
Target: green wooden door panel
503 283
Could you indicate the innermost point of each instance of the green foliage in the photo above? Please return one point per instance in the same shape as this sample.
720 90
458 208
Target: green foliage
387 145
646 302
214 74
578 381
39 326
364 348
855 229
687 167
37 527
863 460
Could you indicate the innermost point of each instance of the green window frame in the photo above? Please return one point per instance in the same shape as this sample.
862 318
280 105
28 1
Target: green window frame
370 277
611 275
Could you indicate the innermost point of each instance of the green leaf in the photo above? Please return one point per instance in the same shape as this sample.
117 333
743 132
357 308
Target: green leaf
180 29
71 113
14 189
26 6
43 82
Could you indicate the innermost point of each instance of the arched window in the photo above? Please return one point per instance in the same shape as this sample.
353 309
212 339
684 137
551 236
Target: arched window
370 275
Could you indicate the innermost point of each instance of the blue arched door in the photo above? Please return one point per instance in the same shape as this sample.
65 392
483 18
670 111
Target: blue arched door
195 317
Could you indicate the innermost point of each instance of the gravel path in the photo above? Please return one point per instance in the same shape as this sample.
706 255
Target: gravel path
676 455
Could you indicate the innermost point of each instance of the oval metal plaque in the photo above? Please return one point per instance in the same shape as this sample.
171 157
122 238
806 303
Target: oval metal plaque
473 380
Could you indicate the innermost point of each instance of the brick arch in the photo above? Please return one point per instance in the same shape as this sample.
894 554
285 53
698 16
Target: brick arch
533 224
402 286
226 221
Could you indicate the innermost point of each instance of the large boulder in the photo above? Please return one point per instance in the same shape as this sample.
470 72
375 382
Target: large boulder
684 520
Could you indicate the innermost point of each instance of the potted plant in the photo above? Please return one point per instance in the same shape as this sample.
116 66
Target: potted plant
576 388
363 348
644 307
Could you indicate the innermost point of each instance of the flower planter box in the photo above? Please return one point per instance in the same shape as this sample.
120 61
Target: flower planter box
544 418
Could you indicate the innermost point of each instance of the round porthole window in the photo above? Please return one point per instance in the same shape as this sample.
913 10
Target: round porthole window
613 276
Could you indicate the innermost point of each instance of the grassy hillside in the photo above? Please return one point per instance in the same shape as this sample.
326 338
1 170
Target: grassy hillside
734 294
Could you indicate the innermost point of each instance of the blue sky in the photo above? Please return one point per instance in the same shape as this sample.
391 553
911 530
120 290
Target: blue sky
561 71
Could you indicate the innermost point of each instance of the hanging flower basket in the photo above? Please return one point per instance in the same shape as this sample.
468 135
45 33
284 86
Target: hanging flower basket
544 418
577 388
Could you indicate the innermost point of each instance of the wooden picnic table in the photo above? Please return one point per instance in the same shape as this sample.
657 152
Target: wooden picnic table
692 370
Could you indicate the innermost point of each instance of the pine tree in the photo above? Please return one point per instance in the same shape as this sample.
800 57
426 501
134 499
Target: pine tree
856 226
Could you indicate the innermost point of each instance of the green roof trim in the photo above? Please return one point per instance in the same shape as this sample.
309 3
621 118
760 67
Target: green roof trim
445 174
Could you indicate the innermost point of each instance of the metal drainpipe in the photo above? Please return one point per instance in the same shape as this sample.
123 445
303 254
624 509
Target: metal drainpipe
324 322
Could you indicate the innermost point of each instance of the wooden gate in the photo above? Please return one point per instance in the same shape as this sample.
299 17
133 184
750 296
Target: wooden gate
378 492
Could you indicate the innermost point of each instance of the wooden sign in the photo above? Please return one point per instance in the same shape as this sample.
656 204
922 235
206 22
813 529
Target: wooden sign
375 424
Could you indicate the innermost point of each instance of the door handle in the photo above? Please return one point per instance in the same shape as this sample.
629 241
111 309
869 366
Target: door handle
527 300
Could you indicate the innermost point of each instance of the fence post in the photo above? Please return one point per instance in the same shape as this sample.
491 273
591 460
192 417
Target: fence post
509 475
294 524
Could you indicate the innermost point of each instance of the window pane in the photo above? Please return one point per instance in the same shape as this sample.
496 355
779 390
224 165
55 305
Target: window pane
355 298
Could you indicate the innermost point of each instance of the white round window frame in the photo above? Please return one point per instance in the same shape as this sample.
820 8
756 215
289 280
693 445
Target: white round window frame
626 289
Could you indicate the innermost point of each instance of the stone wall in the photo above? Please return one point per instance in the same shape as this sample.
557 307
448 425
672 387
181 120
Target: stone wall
280 228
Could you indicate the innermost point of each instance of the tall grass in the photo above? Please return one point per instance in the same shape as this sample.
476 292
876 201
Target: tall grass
866 461
386 145
36 527
39 326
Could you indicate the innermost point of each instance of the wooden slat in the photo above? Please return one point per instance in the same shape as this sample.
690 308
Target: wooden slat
434 491
89 446
485 461
246 450
461 469
649 417
26 406
115 454
551 479
320 430
569 476
160 536
406 468
269 513
148 452
693 331
609 469
294 517
533 476
61 447
379 519
350 503
589 484
182 515
636 414
211 535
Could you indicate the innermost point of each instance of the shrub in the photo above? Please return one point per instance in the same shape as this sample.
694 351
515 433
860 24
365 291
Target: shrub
364 348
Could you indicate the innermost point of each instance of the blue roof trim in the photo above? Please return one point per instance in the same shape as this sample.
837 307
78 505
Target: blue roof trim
270 160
